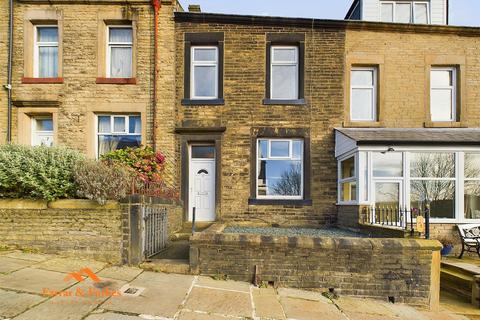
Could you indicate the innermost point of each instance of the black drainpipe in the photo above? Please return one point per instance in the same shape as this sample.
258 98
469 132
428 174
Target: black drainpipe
8 86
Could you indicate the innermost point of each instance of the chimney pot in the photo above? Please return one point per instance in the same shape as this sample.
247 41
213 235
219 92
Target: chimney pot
194 8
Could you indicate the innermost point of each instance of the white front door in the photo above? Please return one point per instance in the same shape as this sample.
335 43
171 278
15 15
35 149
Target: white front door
202 183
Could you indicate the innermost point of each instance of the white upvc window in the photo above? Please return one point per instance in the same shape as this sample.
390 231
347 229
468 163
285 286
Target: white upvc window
45 57
443 95
363 94
117 132
405 11
119 51
204 73
279 169
347 180
42 131
471 194
447 179
284 73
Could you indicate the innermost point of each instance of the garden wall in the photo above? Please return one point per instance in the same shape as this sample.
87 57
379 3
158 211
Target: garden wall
407 270
79 228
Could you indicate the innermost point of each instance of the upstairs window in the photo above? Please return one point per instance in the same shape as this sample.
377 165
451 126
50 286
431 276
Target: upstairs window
405 11
443 94
120 52
363 94
46 52
284 73
204 77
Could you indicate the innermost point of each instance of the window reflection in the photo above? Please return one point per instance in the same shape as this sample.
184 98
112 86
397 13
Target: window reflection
388 164
440 194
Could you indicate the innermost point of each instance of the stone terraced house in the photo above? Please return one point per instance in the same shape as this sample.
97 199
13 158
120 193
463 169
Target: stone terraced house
288 121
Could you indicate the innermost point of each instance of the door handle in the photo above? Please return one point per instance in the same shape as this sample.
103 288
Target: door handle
202 193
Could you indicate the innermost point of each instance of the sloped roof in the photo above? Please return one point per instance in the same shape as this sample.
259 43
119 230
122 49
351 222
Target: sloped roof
412 136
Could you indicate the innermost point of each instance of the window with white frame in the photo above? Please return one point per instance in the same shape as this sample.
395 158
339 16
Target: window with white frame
363 94
46 51
120 52
280 168
446 180
42 131
405 11
472 186
118 132
347 181
443 94
204 73
284 82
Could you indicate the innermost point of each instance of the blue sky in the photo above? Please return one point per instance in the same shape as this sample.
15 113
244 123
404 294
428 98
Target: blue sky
462 12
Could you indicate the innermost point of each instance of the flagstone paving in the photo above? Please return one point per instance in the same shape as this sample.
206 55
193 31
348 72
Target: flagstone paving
171 296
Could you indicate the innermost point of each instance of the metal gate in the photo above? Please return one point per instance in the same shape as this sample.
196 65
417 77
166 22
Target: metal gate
155 233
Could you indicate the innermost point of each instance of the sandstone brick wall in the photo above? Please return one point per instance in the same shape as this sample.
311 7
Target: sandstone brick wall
3 68
407 270
79 96
244 90
406 55
83 230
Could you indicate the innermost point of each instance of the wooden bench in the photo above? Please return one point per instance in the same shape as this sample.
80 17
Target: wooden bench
470 236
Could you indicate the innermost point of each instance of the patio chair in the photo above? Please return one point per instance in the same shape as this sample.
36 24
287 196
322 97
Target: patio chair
470 236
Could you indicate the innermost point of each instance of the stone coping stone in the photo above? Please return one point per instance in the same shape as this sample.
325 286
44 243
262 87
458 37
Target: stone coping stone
31 204
214 236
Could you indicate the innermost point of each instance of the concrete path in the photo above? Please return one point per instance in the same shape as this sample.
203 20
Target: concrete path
36 287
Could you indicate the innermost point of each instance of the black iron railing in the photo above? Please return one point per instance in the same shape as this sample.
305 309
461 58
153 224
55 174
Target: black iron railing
413 220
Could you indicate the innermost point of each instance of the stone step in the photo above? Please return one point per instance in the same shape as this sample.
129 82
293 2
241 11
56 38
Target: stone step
167 266
456 282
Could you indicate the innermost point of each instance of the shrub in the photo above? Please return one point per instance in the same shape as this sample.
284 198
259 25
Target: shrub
37 172
145 163
101 181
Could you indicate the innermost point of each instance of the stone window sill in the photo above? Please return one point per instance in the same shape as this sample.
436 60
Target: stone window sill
362 124
116 81
280 202
199 102
444 124
26 80
296 102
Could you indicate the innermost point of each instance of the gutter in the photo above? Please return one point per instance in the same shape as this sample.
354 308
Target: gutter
156 4
8 86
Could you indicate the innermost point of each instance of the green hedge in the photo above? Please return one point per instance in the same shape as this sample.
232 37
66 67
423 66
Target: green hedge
38 172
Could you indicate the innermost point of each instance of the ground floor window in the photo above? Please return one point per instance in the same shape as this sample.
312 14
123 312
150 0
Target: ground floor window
42 131
447 181
118 132
280 168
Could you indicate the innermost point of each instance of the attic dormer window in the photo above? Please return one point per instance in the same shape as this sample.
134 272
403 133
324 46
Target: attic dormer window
405 11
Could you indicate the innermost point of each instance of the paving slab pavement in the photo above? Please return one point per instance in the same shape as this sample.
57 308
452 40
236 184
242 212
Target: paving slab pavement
8 264
163 295
267 304
37 257
68 265
34 280
13 303
310 310
120 273
221 302
175 297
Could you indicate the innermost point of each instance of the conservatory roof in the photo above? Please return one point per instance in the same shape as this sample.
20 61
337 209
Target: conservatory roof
412 136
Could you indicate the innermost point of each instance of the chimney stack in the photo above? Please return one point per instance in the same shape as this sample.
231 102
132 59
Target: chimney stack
195 8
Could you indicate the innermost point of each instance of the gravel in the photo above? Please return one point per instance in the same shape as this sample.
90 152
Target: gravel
270 231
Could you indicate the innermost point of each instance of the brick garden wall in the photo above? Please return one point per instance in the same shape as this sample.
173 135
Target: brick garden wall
407 270
79 228
75 228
